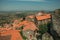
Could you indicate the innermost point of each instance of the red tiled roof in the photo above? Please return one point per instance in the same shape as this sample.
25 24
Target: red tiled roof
28 25
39 17
45 16
15 20
3 29
31 16
15 35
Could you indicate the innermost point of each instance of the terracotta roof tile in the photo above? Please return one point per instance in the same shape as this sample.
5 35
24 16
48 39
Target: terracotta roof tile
39 17
29 26
15 35
46 16
31 16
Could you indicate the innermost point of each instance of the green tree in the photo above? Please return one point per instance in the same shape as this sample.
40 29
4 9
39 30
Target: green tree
21 28
43 28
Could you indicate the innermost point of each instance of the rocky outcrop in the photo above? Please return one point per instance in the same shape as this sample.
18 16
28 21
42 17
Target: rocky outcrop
56 21
47 36
55 30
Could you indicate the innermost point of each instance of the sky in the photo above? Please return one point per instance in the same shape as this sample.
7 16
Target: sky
21 5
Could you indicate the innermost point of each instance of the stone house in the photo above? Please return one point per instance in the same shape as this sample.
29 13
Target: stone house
44 19
28 29
30 18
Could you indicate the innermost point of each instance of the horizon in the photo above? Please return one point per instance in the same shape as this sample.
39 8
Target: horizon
26 5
